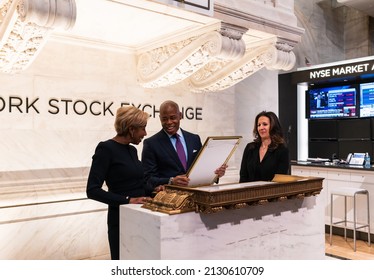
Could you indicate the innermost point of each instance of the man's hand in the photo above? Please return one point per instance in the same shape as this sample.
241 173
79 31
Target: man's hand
221 170
181 180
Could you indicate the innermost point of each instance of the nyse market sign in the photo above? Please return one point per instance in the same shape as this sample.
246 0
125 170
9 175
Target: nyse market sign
329 73
80 107
341 70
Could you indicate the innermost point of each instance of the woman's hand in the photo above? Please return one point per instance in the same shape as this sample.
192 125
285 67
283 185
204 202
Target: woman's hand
159 188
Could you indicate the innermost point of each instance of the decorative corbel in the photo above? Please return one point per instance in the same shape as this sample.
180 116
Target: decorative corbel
213 61
25 26
221 74
280 57
174 63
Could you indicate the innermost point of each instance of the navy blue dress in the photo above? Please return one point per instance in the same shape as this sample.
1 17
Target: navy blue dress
119 167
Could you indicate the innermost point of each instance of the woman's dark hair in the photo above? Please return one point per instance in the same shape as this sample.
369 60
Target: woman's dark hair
276 133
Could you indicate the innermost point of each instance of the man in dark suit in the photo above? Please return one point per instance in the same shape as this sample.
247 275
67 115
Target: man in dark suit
160 157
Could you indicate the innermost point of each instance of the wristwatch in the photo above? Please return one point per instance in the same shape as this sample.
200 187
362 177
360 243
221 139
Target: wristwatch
171 181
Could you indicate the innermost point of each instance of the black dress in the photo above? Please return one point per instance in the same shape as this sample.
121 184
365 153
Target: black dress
274 162
119 167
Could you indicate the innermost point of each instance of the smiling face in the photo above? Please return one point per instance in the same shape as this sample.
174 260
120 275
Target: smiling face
263 127
170 119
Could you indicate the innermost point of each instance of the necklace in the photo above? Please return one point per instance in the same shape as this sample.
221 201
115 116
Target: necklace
264 146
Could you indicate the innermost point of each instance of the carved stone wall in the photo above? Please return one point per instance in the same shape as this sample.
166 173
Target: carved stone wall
24 28
333 32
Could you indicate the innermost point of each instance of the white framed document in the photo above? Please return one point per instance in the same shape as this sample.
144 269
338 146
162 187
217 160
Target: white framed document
215 152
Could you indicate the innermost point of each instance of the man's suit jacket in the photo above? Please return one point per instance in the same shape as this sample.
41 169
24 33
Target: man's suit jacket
160 159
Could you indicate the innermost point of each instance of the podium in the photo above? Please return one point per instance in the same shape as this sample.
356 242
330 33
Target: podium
281 219
281 230
257 220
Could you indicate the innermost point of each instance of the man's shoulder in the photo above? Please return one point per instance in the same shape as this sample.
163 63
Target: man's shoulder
155 137
185 132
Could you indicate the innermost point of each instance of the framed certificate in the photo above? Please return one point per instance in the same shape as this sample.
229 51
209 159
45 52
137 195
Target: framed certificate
215 152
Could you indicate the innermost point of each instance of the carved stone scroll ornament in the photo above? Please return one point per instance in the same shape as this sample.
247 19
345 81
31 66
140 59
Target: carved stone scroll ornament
25 26
174 63
221 74
280 57
211 62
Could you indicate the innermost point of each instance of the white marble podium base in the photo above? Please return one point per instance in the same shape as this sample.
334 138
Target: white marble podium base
292 229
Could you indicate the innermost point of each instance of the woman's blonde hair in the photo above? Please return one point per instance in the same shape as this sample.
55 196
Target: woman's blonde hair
129 116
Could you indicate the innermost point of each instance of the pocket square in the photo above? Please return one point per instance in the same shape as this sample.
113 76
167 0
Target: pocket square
194 151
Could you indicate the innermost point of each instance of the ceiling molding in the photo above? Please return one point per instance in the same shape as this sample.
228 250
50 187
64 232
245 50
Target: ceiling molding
171 45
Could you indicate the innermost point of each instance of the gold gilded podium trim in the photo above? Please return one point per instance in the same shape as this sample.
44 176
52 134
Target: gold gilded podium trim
171 202
216 198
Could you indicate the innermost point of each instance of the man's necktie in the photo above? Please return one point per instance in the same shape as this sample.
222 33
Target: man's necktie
180 151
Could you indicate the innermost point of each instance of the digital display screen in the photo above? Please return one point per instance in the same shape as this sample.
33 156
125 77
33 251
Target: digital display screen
367 100
332 102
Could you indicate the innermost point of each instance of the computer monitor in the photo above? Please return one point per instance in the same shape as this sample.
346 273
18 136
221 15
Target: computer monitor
354 129
332 102
366 100
323 149
354 146
323 129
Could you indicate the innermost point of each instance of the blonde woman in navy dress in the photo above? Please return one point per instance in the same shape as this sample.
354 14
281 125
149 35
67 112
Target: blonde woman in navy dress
116 163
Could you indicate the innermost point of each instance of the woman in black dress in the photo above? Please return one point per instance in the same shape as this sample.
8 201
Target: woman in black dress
267 155
116 163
